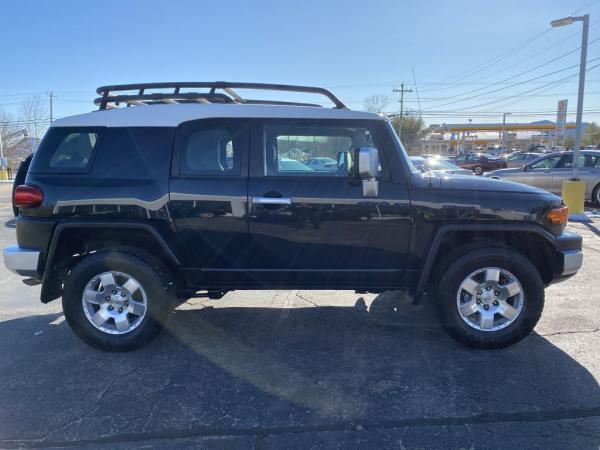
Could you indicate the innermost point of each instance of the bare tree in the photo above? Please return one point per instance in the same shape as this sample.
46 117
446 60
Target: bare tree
377 102
7 125
33 116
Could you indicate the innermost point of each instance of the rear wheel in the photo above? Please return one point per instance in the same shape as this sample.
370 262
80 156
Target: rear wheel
117 301
490 298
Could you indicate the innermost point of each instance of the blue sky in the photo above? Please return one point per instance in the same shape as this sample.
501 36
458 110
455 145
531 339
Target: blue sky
356 48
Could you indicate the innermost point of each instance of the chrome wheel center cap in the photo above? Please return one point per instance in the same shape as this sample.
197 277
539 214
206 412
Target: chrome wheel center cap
117 300
487 297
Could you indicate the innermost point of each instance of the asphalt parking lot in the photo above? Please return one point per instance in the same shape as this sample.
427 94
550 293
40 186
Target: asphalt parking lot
300 369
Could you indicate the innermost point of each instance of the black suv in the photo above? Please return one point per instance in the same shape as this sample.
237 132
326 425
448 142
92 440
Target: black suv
192 188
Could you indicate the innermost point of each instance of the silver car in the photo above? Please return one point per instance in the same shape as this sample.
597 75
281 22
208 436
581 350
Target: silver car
519 159
549 171
438 166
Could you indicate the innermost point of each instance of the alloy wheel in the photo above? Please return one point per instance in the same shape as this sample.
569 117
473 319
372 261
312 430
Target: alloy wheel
114 302
490 299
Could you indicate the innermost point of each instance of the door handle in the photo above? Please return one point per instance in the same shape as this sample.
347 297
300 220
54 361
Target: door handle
272 200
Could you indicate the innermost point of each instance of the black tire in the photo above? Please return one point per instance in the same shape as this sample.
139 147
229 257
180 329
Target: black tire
461 268
20 179
477 170
149 273
596 195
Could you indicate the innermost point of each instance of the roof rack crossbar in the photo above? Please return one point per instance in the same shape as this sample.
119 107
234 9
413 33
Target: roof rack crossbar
113 95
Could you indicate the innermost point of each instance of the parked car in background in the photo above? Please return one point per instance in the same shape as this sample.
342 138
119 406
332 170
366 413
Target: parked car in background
447 158
480 162
291 165
549 171
322 164
519 159
438 166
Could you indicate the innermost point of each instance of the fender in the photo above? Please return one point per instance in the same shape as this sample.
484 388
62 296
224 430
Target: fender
52 288
446 229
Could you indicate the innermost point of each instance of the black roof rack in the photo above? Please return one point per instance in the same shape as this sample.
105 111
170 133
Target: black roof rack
111 96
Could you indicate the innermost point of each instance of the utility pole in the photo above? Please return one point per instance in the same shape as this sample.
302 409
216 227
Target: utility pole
402 91
51 95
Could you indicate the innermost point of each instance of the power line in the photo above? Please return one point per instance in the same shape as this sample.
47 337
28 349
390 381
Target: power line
511 86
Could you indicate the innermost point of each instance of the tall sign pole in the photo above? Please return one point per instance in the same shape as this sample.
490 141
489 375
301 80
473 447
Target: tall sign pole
561 119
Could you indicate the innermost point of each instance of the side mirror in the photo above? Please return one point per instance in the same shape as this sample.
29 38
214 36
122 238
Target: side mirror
368 167
525 168
368 163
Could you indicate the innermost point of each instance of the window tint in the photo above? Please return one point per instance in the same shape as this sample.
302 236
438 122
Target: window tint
67 150
208 150
74 151
584 161
313 150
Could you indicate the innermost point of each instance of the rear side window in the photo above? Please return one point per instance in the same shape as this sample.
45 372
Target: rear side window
74 151
211 148
66 150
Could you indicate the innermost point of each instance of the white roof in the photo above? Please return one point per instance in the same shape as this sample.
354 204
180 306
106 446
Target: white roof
172 115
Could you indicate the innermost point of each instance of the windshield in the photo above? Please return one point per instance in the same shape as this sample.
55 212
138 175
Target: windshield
400 147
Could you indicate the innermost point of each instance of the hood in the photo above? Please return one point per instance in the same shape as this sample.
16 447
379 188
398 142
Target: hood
467 182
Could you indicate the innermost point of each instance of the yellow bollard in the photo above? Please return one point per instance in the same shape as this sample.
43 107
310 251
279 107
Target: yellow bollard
573 193
3 174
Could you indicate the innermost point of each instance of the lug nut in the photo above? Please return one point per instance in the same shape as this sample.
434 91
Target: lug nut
496 293
488 288
478 301
114 292
107 298
126 303
479 292
111 307
123 294
486 307
495 302
120 310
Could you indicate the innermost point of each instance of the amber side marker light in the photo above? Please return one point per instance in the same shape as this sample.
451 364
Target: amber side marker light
558 216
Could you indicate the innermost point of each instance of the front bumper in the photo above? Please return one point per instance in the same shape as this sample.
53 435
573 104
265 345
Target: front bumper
22 261
569 256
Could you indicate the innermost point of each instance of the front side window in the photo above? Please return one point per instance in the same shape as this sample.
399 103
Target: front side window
547 163
212 150
313 150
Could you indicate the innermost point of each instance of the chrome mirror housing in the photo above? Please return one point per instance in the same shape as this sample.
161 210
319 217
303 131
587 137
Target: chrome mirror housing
368 167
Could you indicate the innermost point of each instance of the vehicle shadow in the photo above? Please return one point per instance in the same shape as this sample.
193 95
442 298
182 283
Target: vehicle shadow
594 229
235 370
12 223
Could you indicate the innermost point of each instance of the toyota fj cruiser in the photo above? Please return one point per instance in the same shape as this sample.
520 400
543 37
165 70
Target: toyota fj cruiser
173 189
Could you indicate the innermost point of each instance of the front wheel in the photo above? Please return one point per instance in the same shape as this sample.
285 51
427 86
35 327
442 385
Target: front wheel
117 301
596 195
490 298
478 170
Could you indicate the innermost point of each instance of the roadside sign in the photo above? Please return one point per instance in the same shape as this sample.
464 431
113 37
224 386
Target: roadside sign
561 117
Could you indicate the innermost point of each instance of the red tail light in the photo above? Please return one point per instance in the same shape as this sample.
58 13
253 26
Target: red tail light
28 196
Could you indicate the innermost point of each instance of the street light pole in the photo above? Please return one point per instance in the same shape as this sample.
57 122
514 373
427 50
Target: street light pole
504 131
584 45
574 189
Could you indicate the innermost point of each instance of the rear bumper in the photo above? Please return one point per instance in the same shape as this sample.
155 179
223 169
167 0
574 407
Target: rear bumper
569 257
22 261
